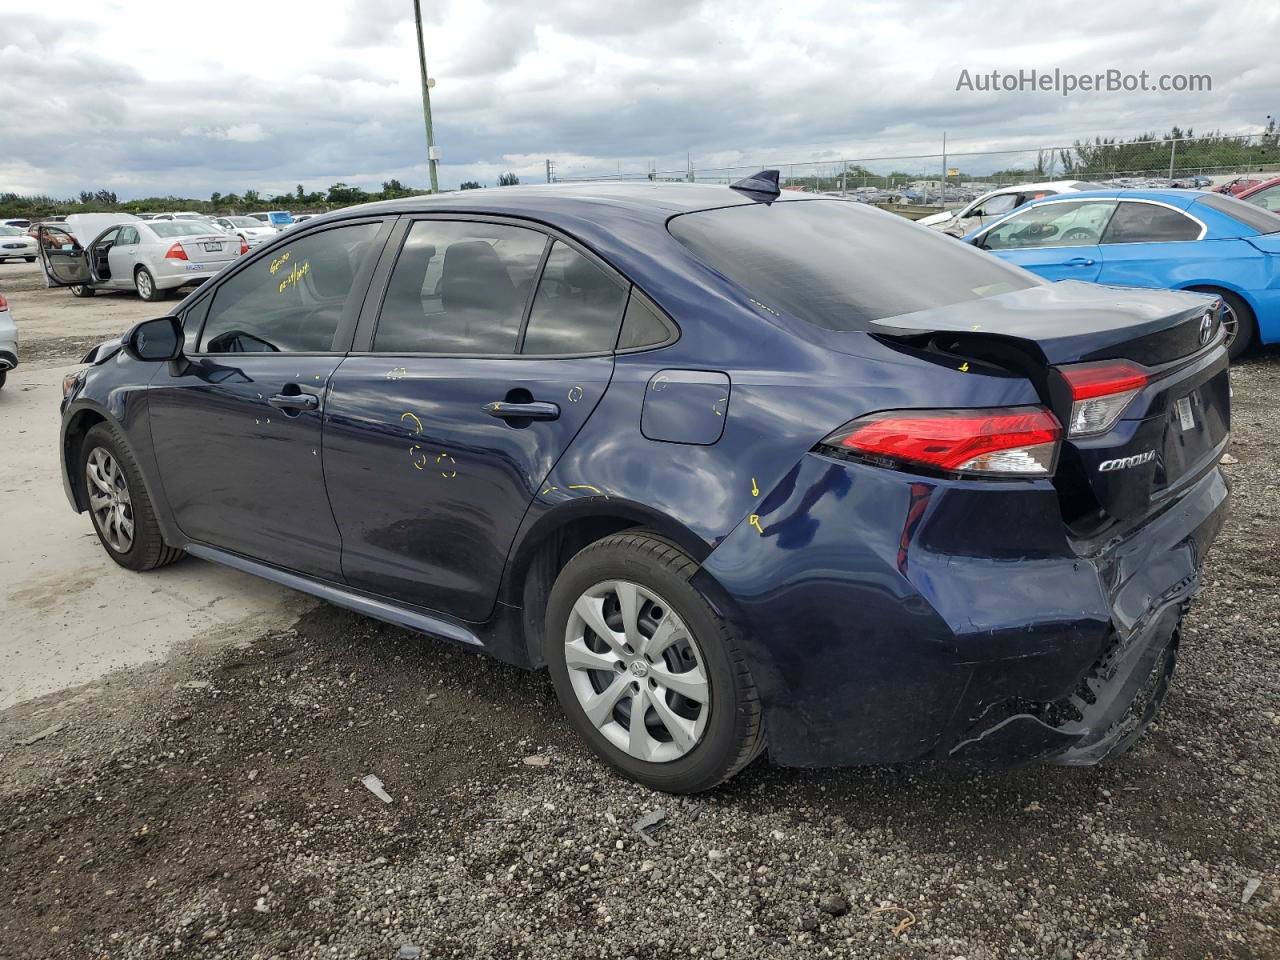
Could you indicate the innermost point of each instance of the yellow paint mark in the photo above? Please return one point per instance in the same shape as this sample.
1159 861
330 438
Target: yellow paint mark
419 459
964 367
279 262
754 520
296 273
548 490
413 418
755 490
586 486
450 473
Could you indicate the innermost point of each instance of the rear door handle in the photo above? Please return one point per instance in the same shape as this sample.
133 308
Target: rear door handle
1078 262
294 401
523 411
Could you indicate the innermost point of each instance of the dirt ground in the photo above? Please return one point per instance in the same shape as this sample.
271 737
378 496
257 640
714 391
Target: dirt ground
212 806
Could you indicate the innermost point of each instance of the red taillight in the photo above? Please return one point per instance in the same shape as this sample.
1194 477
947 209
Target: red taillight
4 304
176 253
1099 394
1002 441
244 246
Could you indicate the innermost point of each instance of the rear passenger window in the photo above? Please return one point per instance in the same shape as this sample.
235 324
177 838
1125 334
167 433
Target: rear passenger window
641 325
1149 223
577 308
292 301
459 288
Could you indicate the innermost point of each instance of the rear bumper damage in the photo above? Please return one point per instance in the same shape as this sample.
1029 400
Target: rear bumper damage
954 619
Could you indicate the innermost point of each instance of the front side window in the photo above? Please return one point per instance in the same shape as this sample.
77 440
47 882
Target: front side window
577 308
459 288
1148 223
1074 223
997 206
292 301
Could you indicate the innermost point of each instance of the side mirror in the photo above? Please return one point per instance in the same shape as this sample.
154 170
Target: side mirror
152 340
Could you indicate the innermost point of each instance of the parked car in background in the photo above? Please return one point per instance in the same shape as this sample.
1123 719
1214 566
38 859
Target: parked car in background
1176 239
180 215
304 217
991 206
16 222
280 219
1265 195
8 340
145 216
1238 186
743 468
16 244
92 252
249 229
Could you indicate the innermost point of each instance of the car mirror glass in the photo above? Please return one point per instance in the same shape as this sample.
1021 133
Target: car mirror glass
151 340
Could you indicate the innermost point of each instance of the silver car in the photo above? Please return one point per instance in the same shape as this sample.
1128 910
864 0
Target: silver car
15 244
8 341
92 252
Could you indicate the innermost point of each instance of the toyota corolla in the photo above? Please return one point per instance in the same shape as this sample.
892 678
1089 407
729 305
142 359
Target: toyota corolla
749 473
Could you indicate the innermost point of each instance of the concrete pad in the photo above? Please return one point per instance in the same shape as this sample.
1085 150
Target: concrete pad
68 613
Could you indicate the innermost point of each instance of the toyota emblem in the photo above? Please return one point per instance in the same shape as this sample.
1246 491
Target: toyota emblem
1206 328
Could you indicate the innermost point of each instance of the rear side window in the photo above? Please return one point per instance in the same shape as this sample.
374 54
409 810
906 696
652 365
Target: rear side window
459 288
841 265
292 301
1148 223
577 308
1254 217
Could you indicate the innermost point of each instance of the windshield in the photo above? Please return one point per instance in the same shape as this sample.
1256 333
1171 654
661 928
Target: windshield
181 228
12 232
244 221
841 265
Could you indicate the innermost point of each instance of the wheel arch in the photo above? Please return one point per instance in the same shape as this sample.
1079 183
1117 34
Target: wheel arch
74 431
552 540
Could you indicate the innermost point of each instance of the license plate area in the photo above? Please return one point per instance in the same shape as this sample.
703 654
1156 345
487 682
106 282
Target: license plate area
213 247
1184 413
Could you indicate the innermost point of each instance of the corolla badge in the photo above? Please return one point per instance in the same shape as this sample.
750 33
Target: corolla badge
1124 463
1206 328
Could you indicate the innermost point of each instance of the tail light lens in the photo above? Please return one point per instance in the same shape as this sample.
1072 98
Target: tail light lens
176 252
1099 394
991 442
244 246
4 304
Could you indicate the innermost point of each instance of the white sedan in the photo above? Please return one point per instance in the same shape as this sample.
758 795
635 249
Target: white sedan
250 229
15 244
991 206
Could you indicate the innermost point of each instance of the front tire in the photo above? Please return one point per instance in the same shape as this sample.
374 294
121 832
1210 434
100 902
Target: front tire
29 259
626 631
122 514
146 285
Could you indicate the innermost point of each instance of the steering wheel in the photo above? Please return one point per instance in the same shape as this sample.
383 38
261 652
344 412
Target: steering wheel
1078 233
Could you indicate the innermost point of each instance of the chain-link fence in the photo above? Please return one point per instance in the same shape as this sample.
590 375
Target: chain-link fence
948 178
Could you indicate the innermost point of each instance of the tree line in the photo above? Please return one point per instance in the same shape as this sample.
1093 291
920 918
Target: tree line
14 205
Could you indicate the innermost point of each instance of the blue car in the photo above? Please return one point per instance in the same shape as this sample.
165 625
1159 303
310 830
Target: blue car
746 472
1173 239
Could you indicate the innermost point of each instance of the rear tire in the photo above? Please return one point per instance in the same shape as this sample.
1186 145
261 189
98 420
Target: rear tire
683 645
81 290
1236 315
146 285
119 507
4 375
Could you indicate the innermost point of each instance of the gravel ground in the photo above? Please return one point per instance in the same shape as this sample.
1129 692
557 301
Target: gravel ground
213 806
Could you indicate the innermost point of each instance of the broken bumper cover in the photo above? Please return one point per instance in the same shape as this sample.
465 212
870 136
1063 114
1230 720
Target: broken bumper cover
941 618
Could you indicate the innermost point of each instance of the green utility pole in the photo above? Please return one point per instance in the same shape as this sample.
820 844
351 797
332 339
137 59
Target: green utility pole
426 97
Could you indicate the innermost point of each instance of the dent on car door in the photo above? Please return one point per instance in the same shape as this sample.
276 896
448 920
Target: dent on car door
236 426
492 348
64 261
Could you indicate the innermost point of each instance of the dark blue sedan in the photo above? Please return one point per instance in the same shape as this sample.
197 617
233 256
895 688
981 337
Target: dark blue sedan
747 472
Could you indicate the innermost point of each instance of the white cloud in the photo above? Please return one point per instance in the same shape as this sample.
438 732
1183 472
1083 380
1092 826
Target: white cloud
102 93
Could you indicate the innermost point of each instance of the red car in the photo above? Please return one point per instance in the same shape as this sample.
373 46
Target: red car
1265 194
1238 186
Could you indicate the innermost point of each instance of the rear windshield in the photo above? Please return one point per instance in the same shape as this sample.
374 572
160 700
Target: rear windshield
841 265
1264 221
12 232
245 221
180 228
279 218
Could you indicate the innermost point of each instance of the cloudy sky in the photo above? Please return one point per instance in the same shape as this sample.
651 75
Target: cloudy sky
150 97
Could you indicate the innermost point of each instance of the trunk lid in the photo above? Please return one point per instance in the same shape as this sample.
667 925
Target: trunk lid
207 248
1173 429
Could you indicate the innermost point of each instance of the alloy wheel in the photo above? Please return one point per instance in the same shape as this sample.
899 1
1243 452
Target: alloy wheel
637 671
1230 323
144 284
109 499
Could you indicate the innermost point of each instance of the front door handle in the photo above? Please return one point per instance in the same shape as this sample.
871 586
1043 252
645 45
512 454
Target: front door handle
294 401
1078 262
523 411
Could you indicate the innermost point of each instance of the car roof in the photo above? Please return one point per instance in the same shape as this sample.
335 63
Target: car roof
1171 196
1257 188
550 203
